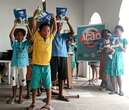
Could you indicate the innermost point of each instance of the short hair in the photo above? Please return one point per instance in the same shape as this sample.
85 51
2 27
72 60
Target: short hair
43 25
119 27
105 31
19 30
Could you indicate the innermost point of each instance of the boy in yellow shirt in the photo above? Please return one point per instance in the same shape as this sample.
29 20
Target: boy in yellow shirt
41 56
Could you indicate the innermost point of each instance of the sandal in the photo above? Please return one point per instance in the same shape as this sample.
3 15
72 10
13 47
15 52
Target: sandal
46 107
11 101
39 94
121 94
31 107
62 98
112 93
27 97
44 100
20 101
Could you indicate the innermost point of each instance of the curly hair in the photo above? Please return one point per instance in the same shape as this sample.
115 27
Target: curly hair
19 30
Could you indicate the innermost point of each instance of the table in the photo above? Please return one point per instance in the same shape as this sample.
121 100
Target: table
9 68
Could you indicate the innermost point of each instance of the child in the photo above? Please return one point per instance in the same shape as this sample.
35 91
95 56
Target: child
42 48
105 42
19 61
29 73
59 56
28 80
95 67
71 50
108 43
117 64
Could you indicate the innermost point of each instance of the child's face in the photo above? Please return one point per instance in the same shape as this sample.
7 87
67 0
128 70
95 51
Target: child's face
19 36
118 32
59 26
107 35
45 32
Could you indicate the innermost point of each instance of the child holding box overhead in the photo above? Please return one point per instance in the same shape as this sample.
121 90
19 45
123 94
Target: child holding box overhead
41 56
59 55
19 61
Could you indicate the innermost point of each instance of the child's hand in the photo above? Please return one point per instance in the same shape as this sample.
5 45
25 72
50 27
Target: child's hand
120 45
66 18
53 16
15 22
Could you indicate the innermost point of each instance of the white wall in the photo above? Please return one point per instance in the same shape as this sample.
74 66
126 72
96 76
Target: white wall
7 18
80 12
108 10
75 8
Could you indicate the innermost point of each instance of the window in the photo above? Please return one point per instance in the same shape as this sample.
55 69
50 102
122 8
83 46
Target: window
95 19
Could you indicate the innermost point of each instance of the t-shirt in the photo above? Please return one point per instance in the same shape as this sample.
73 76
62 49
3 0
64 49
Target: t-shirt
59 48
20 53
42 49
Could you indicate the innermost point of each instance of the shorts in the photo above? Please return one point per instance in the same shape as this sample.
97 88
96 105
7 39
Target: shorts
41 73
18 76
59 65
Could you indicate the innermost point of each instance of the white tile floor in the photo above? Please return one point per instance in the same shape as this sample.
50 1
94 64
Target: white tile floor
90 99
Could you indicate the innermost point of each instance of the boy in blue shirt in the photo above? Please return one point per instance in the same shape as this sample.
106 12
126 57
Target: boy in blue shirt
59 56
19 62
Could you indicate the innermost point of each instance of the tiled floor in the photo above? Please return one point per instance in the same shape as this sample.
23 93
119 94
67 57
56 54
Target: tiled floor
90 99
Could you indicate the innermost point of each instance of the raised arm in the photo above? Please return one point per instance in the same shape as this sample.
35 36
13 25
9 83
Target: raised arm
30 34
12 33
34 22
70 27
34 27
54 25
